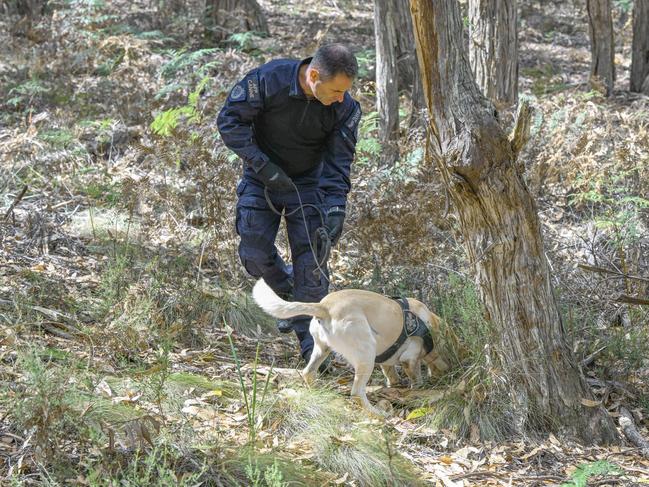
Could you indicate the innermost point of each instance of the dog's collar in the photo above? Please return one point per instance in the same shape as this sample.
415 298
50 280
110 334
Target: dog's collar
412 326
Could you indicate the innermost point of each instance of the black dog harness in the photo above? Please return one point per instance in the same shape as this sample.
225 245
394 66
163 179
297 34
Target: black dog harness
412 326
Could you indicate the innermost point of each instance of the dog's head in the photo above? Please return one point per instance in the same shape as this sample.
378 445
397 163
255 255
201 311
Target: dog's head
447 353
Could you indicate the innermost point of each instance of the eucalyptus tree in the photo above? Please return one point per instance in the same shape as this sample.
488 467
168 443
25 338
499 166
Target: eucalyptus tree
500 228
493 49
387 83
640 47
396 70
225 17
602 54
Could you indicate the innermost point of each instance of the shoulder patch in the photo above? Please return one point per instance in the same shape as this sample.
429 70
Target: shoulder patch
253 90
238 93
354 118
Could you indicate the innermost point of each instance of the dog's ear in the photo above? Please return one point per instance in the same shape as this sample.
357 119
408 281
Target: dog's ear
461 351
451 346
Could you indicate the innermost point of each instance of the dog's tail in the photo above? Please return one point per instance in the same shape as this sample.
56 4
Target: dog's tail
275 306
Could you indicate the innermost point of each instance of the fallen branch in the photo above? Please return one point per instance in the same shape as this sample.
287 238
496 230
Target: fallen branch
625 298
591 358
52 314
54 329
16 201
631 431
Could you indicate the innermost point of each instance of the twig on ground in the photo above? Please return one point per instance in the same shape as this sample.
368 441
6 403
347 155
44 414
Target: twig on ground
631 431
52 328
607 481
478 474
591 358
16 201
624 298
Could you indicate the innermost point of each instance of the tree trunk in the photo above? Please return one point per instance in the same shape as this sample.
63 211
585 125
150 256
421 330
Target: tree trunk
493 49
396 71
33 9
226 17
409 77
640 49
502 235
387 88
602 64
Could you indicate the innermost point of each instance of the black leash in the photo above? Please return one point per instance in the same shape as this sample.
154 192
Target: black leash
322 247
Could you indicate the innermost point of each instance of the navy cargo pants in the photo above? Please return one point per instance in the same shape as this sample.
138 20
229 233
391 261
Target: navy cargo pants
257 225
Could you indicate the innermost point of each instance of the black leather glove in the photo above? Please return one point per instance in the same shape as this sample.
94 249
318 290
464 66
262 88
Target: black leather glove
274 178
334 223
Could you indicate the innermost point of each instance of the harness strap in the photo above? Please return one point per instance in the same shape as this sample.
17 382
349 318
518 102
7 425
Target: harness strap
412 326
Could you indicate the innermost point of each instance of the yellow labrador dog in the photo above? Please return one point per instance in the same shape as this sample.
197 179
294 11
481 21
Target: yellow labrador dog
363 326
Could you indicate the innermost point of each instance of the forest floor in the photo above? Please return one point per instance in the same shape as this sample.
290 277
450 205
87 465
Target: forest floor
130 350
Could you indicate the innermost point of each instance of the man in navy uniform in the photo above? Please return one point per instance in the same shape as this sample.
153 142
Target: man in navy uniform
294 125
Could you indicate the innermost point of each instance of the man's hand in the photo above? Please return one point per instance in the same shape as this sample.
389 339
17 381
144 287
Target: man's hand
274 178
334 223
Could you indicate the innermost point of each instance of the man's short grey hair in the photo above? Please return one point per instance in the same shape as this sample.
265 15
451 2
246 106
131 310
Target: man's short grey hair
334 59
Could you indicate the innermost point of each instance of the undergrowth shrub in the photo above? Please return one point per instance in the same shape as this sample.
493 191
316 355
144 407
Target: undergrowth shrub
44 405
162 465
151 300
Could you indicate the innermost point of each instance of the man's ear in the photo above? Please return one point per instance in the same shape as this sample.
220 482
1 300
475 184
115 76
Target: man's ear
314 75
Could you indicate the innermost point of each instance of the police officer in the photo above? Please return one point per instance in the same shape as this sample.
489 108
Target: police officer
294 125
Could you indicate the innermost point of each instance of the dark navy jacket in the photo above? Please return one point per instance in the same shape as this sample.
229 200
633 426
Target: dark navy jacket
267 116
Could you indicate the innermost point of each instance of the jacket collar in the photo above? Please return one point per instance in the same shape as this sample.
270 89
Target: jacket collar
296 89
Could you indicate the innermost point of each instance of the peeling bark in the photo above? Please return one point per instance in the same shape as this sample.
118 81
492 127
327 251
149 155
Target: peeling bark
500 228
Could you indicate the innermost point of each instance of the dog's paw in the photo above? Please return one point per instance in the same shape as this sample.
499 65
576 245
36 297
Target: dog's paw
379 413
308 378
385 408
397 383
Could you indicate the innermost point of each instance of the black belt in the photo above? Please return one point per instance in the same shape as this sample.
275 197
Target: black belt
412 326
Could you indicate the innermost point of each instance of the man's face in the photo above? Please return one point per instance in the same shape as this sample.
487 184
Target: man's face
329 91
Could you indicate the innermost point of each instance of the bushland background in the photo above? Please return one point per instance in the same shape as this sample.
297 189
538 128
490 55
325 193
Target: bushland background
130 351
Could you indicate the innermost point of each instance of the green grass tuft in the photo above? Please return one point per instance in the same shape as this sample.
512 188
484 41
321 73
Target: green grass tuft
343 441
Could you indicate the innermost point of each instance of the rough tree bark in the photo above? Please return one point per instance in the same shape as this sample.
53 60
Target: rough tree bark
409 78
396 71
640 48
229 16
30 8
493 49
600 26
387 86
502 236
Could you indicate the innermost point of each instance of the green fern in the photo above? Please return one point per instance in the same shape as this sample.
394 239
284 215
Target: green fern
164 123
182 59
